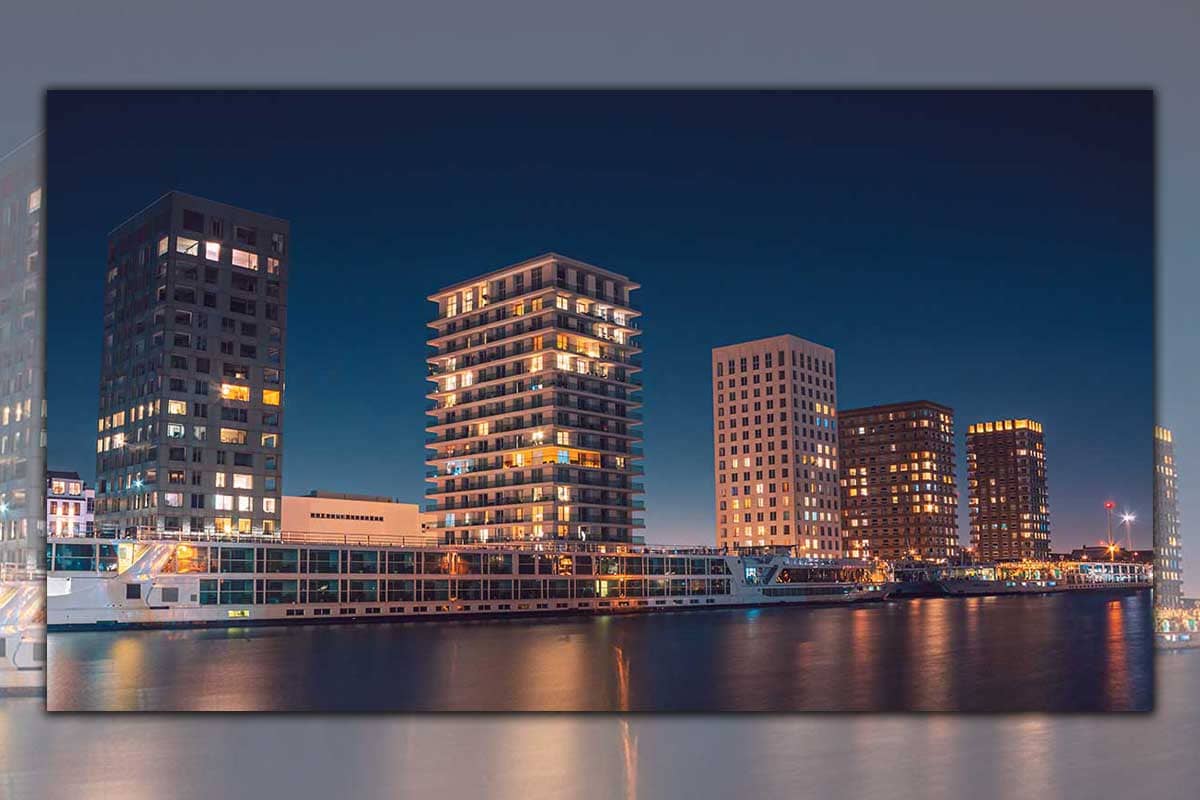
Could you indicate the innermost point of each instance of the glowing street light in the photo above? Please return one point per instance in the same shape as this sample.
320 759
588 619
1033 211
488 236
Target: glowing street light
1127 519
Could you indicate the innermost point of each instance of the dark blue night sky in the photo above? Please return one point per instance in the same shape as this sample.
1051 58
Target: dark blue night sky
990 251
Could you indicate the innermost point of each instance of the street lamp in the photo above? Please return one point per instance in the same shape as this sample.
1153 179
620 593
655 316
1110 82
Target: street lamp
1127 519
1108 510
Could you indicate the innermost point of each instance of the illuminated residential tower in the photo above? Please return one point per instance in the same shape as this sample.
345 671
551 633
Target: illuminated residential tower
899 497
775 446
22 359
535 429
1006 474
192 377
1168 548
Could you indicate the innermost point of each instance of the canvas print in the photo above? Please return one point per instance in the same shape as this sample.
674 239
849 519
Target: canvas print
602 401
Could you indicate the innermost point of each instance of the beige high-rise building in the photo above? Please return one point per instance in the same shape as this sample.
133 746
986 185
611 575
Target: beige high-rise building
775 446
535 431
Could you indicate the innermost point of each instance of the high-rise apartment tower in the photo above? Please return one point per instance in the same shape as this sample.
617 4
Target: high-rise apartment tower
535 428
899 497
191 389
1006 476
775 447
1168 548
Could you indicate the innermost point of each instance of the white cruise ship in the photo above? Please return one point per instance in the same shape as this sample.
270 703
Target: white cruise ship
160 582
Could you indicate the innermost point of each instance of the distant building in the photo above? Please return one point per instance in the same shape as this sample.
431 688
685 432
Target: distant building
70 505
338 516
775 446
192 374
535 432
22 358
1006 476
1168 547
899 497
1102 553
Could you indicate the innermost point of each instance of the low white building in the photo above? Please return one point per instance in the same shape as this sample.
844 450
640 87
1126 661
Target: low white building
70 505
352 518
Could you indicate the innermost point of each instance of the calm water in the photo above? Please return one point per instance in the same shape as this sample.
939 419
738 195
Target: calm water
1070 652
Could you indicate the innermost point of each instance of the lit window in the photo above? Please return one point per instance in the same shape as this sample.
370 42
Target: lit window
212 251
245 503
220 480
189 247
244 259
174 430
162 245
233 436
270 440
173 499
177 407
242 480
268 505
223 502
35 200
118 440
272 266
231 391
271 397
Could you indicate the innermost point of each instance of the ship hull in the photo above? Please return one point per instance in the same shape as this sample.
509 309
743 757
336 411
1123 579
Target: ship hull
994 588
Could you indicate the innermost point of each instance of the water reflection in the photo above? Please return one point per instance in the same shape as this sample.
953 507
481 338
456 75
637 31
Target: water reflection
938 757
1065 652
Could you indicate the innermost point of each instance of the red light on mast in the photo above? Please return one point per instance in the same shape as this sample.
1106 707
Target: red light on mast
1110 505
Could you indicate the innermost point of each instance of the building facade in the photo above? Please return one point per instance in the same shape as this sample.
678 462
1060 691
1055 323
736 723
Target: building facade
535 428
1009 504
191 392
70 505
898 486
330 516
22 359
1168 547
775 447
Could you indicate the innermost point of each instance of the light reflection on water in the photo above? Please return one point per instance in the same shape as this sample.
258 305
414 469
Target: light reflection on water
1061 653
608 756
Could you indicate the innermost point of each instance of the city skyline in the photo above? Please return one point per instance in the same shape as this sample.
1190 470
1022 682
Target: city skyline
1070 401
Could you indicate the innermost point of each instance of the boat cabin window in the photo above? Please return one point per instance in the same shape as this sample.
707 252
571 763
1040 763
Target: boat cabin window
400 563
75 557
323 561
280 559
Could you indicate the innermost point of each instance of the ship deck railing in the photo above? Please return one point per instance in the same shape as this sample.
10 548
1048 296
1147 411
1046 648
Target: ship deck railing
410 542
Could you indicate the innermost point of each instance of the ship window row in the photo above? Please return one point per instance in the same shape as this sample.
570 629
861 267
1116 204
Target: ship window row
89 557
246 591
